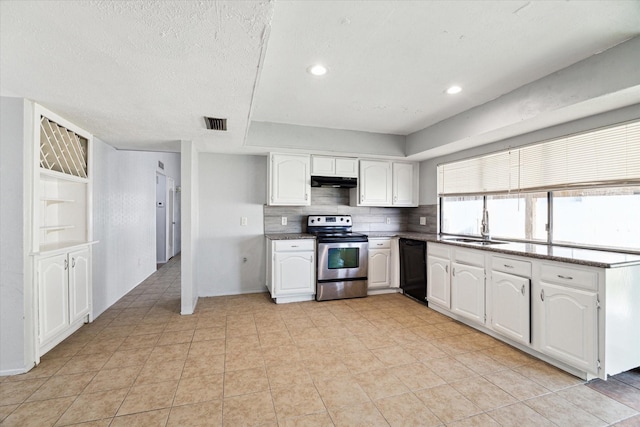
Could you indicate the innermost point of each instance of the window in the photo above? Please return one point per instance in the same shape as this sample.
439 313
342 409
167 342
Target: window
518 216
592 180
605 217
461 215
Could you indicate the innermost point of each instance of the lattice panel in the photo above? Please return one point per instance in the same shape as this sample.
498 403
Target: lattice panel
62 150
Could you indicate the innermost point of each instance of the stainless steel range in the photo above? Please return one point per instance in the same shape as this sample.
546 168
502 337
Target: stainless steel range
343 257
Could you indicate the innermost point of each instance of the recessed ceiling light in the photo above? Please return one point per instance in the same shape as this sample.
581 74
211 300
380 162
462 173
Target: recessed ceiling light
454 89
317 70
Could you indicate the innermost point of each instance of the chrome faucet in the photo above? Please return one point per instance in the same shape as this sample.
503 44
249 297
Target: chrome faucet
484 229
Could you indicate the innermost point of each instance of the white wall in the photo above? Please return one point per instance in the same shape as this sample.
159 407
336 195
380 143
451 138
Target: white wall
190 202
231 187
13 229
124 218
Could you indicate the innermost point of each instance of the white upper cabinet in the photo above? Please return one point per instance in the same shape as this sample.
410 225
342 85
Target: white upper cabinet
334 166
289 180
386 183
375 183
405 184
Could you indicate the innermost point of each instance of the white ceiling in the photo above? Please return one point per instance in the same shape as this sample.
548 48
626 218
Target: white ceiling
142 74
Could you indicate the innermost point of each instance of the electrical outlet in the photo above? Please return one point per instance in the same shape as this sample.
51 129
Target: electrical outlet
423 220
243 220
283 220
388 220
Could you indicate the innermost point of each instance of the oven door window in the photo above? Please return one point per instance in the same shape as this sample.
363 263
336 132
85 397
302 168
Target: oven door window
343 258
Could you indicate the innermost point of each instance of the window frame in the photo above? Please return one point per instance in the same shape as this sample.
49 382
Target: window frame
550 226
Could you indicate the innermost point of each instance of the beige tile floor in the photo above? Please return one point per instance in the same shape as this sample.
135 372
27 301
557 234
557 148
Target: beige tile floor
242 360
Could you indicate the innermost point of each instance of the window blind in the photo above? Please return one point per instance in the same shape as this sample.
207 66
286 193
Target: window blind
608 156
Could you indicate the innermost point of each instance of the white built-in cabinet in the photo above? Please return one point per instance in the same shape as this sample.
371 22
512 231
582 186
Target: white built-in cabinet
289 180
510 294
291 270
61 237
386 183
405 184
468 284
438 275
580 318
380 263
375 183
334 166
567 307
64 293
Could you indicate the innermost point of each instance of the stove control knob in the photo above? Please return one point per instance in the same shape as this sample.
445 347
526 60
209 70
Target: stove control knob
341 219
313 220
318 219
348 220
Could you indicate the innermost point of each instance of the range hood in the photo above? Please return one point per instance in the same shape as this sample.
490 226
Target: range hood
333 181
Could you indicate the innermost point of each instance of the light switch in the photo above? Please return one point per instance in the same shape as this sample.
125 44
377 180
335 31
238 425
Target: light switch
284 220
423 220
243 220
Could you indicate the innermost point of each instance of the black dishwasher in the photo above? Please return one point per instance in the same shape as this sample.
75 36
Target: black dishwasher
413 268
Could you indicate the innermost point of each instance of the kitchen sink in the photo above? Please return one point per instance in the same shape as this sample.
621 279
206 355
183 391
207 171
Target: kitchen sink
475 241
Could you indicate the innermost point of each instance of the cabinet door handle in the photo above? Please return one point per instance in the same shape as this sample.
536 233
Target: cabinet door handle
508 266
522 290
446 268
453 272
379 244
66 264
395 198
73 262
565 277
306 196
295 246
542 294
361 198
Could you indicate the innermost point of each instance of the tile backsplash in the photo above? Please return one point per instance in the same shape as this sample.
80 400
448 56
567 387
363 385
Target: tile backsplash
335 201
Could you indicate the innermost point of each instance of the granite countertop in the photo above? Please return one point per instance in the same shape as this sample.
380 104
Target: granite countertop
289 236
588 257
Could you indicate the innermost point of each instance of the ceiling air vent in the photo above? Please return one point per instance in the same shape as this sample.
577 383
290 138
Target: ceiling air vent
216 124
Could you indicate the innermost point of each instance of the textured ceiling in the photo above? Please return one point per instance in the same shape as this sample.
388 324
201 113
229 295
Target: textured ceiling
142 74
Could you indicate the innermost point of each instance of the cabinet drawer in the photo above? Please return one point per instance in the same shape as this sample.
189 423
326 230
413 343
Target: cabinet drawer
569 276
379 244
469 257
441 251
511 266
294 245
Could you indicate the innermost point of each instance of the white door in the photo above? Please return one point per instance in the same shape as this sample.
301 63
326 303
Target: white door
569 325
467 291
171 221
379 268
438 281
294 273
53 296
510 306
79 282
404 193
375 183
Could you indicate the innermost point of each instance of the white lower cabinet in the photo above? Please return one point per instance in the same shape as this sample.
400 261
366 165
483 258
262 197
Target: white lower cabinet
438 278
583 319
379 273
291 272
510 303
64 296
569 324
467 291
